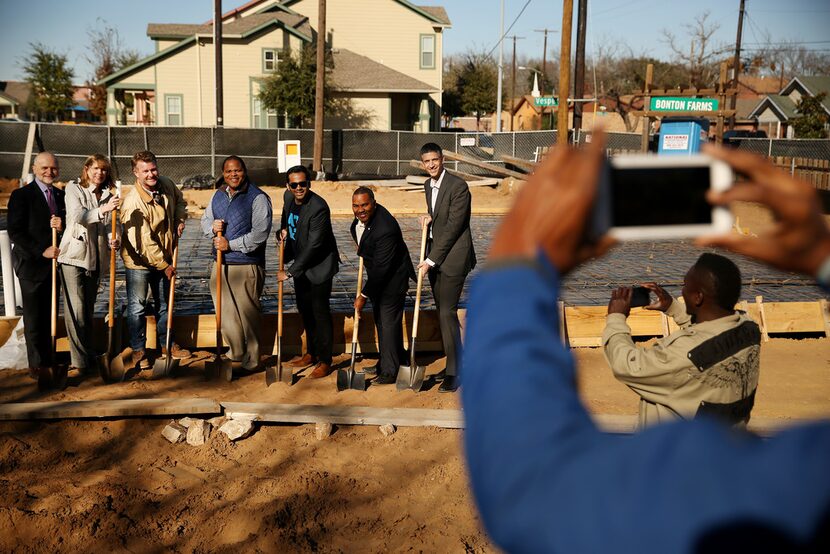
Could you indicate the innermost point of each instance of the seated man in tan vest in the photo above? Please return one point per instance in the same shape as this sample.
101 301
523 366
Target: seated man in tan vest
708 366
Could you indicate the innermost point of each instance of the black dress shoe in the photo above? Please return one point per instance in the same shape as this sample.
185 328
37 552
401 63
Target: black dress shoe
438 377
371 370
384 379
450 384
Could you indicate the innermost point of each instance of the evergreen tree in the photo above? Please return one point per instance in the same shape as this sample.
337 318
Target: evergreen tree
291 89
51 80
812 117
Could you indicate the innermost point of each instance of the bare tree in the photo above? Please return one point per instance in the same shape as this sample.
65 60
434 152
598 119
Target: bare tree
701 57
106 54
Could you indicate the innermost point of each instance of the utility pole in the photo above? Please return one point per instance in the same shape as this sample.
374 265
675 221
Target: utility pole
579 70
564 72
501 70
544 56
513 85
319 94
217 54
736 65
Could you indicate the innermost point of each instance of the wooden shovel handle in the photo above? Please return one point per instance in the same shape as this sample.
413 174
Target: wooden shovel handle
280 289
110 322
359 288
218 296
172 297
420 283
54 314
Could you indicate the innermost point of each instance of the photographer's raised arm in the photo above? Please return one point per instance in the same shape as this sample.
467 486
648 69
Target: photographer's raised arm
799 239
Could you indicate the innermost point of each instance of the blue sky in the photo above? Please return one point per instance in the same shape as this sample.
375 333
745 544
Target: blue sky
636 24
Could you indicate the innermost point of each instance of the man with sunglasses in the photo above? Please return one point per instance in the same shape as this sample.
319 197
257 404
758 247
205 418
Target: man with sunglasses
305 225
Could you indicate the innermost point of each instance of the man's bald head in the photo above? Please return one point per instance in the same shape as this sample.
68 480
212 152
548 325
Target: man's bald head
45 168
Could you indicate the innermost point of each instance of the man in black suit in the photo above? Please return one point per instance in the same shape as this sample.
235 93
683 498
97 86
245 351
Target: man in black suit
450 254
306 227
34 211
388 269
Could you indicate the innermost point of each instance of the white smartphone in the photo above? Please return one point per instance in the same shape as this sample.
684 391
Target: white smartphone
651 197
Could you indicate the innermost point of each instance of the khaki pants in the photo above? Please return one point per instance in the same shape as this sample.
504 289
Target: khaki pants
241 310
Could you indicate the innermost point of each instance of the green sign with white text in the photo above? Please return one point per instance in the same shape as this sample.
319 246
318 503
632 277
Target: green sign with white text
672 104
545 101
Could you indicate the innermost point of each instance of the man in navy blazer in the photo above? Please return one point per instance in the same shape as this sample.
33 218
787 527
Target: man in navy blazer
450 254
34 210
305 225
388 271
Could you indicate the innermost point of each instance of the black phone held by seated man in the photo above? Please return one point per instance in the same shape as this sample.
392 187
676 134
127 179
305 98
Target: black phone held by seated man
640 296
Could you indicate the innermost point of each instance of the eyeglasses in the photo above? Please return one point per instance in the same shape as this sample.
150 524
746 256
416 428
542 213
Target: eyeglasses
303 184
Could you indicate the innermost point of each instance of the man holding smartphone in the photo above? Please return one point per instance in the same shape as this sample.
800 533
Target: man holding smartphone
708 366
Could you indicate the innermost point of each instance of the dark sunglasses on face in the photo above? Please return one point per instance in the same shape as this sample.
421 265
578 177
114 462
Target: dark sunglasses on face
303 184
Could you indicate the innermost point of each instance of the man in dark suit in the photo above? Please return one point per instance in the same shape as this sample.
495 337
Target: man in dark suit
388 269
450 254
306 227
34 211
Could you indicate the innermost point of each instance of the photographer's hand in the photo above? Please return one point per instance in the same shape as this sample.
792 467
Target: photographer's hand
799 240
620 302
664 299
551 210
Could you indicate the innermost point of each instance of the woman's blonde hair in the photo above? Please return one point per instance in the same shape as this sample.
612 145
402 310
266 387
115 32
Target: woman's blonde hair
104 163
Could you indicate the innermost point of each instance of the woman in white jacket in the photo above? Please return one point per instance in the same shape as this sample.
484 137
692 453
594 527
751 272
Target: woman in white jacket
84 253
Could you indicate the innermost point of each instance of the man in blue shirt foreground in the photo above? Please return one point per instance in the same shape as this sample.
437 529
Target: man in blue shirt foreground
545 478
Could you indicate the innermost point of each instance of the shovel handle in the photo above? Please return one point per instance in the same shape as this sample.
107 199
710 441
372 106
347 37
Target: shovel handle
420 283
280 289
218 298
112 271
54 314
356 312
171 298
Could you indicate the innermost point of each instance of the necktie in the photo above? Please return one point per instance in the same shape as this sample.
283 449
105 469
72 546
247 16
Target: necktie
50 199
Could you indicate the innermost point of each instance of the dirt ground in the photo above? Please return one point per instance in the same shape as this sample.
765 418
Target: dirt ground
117 485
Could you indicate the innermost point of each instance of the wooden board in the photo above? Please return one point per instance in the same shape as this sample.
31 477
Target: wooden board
489 167
793 317
135 407
524 165
345 415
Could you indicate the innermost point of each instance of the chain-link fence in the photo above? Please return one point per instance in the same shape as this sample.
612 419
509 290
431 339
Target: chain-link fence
186 153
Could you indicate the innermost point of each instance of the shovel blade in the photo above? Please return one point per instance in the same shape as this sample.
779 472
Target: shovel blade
117 371
286 374
103 363
350 379
164 367
410 377
54 377
220 368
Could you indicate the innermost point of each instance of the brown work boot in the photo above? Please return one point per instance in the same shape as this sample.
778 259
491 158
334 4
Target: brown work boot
138 358
321 370
303 361
176 352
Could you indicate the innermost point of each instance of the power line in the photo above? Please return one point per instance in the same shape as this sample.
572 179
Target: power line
508 29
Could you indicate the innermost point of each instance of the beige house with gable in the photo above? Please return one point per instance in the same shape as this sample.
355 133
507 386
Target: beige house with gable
387 57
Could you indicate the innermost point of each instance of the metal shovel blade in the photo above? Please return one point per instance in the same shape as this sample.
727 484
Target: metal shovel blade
410 377
54 377
220 368
349 378
164 366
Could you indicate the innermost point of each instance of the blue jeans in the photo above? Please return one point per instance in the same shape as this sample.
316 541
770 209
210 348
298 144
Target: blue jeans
139 305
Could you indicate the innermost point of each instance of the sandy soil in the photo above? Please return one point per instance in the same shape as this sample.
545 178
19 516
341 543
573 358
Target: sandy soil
119 486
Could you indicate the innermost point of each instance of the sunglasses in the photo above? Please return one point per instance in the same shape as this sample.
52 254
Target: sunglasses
303 184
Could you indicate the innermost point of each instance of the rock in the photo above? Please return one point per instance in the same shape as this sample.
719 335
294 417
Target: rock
174 432
217 421
198 433
186 422
387 429
237 429
322 430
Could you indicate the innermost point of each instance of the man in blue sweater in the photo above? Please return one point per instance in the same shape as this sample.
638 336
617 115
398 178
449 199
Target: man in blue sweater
545 478
242 212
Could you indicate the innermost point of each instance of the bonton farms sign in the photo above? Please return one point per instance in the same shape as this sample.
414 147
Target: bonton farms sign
671 104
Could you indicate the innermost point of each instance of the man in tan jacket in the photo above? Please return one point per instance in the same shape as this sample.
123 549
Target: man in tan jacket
710 366
153 215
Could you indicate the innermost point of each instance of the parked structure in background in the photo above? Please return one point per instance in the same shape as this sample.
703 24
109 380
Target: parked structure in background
387 61
14 98
776 112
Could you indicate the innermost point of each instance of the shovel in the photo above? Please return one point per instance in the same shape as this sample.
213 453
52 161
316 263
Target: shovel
111 364
219 367
164 367
412 376
277 372
350 379
55 375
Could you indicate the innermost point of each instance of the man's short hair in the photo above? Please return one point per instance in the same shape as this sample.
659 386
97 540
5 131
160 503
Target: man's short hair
144 156
724 277
238 159
431 147
364 190
299 169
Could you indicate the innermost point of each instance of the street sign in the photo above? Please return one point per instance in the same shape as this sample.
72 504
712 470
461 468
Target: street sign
546 101
672 104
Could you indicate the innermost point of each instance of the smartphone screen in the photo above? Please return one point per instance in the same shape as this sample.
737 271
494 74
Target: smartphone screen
642 196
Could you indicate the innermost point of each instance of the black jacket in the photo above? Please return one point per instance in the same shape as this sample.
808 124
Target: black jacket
315 254
29 230
385 255
451 247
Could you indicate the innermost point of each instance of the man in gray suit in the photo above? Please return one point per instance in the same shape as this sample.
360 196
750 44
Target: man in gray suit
450 254
305 225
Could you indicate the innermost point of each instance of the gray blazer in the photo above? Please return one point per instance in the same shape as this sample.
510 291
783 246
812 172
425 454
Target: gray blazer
451 246
86 228
315 255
